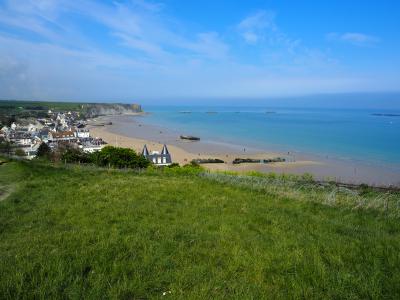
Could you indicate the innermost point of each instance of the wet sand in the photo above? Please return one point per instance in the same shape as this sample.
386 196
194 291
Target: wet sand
132 132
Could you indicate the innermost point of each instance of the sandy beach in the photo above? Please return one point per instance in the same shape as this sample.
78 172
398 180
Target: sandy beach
132 132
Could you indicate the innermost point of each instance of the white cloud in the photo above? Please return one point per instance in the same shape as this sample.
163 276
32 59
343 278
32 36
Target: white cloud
253 27
141 53
354 38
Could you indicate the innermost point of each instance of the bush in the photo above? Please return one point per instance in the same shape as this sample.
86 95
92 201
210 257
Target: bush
20 152
5 147
307 177
173 165
189 169
44 151
117 157
73 155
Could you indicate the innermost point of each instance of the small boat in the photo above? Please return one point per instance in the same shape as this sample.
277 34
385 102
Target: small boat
185 112
190 138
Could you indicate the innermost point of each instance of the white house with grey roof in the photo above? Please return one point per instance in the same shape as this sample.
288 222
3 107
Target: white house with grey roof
157 158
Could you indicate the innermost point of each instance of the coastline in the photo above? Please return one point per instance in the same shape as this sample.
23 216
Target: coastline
130 131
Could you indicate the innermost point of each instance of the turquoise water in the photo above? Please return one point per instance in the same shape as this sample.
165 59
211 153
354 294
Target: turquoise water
354 134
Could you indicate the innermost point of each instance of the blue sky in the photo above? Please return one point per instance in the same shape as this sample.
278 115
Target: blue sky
155 52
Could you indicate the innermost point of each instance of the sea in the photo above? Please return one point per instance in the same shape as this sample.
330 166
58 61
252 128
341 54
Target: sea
365 135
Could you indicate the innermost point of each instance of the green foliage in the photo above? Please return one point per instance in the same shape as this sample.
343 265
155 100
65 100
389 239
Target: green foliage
109 156
255 174
189 169
5 147
44 151
74 155
302 188
307 177
117 157
19 152
84 233
11 110
173 165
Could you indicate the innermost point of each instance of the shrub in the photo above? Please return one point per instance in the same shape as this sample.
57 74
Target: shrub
307 177
20 152
173 165
73 155
44 151
189 169
255 174
119 158
5 147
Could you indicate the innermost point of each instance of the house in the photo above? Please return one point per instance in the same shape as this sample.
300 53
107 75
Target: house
44 134
82 133
157 158
90 148
20 138
61 136
91 145
31 151
32 128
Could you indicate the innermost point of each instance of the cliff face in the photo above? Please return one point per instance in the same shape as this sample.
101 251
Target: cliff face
99 109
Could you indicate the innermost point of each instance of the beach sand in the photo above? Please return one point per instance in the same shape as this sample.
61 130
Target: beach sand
132 132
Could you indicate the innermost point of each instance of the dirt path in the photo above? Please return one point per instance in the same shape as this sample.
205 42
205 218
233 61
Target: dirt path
5 190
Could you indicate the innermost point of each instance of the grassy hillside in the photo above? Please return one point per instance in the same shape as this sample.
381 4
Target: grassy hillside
83 232
17 110
13 110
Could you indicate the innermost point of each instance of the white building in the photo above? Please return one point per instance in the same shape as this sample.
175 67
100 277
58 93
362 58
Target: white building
82 133
157 158
61 136
31 151
20 138
90 148
32 128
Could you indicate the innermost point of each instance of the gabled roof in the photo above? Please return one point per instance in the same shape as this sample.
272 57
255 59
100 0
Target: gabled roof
164 150
62 134
145 152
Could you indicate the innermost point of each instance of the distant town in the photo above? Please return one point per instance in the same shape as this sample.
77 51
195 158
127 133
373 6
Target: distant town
58 128
30 126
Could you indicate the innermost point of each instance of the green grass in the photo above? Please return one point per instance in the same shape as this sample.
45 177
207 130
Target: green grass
81 232
39 105
16 110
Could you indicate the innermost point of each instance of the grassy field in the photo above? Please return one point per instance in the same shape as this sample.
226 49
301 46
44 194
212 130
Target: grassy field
13 110
80 232
38 105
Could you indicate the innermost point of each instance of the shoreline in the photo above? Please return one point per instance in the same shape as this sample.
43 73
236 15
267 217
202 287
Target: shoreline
129 131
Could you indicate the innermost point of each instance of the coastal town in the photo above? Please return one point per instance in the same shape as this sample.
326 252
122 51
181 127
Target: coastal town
58 128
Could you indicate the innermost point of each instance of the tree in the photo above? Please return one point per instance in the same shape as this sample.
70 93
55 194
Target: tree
43 151
11 119
20 152
119 158
74 155
5 147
